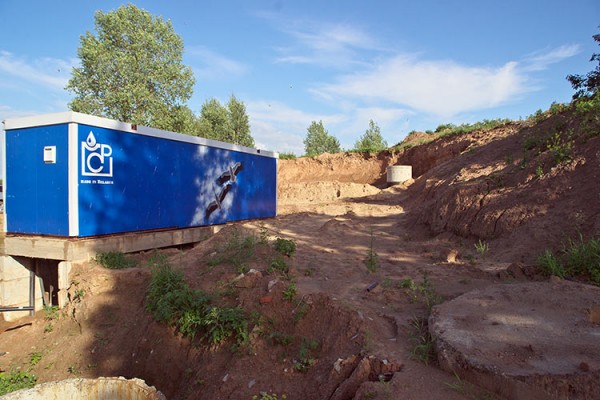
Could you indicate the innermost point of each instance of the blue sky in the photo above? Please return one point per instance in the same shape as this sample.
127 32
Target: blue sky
408 65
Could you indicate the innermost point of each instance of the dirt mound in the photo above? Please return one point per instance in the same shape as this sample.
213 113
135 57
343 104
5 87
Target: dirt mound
322 192
342 167
507 186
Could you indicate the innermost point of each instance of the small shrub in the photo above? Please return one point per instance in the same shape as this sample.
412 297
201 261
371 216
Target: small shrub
280 265
285 247
561 147
35 358
237 252
578 258
423 292
290 292
223 323
167 295
280 339
408 283
9 382
482 247
551 265
51 312
539 171
304 360
372 259
423 348
114 260
263 236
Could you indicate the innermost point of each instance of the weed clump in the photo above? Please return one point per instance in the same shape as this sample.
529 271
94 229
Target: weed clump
114 260
578 258
170 300
9 382
285 246
372 259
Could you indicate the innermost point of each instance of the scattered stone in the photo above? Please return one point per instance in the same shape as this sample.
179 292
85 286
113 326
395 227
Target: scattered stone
251 383
272 283
337 365
266 299
225 378
248 280
452 256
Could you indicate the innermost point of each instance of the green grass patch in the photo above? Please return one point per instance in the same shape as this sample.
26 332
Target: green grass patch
423 348
579 258
170 300
238 251
11 381
114 260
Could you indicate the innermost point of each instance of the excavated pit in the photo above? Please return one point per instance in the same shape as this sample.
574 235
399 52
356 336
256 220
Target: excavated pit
89 389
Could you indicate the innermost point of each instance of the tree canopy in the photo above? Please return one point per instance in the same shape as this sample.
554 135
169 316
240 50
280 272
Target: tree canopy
225 123
131 70
319 141
589 84
372 140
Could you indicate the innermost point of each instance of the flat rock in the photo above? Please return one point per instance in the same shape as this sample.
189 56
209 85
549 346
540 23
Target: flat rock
523 340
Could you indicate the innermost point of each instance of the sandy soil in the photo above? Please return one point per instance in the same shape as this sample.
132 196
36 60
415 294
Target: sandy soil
482 186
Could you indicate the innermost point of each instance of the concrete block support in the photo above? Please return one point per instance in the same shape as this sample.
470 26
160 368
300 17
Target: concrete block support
14 286
52 259
64 268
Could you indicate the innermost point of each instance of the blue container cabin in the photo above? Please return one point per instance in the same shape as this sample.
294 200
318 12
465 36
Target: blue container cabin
76 175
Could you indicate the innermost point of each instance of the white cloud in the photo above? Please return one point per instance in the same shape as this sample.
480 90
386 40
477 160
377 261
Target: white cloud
213 65
278 127
539 61
332 45
50 72
445 88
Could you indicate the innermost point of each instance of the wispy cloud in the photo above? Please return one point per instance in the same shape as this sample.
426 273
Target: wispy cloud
281 126
50 72
541 60
320 43
208 64
444 88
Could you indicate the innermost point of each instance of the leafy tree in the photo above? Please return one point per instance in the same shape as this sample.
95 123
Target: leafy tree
132 70
214 121
587 85
227 124
371 140
240 123
319 141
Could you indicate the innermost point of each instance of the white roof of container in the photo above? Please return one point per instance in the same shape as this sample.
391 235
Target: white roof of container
79 118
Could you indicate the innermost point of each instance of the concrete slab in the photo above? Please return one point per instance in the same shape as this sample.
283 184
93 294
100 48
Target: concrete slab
79 249
536 340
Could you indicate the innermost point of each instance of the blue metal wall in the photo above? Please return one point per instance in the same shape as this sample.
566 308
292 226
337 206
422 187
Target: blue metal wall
130 182
37 193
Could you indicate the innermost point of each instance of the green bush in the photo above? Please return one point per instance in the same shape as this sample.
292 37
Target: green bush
561 146
170 300
285 247
280 265
224 323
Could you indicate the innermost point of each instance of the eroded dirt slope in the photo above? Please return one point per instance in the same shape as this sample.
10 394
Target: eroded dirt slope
369 326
